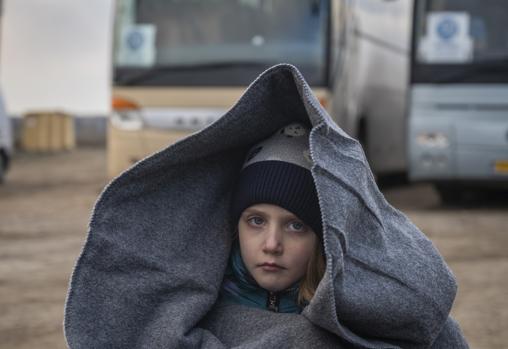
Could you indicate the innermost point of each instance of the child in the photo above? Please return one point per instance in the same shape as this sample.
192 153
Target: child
277 258
193 246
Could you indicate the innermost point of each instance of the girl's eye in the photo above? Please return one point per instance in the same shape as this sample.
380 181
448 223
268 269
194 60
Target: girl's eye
255 220
298 226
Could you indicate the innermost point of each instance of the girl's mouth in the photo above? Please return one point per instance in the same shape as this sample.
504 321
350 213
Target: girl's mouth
271 267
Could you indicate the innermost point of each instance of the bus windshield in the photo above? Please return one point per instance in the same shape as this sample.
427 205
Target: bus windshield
165 42
467 38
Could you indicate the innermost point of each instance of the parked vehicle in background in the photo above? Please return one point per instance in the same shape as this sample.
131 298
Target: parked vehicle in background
458 117
179 65
6 141
424 85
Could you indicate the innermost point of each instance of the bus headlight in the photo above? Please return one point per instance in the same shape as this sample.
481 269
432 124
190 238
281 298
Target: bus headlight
433 140
127 119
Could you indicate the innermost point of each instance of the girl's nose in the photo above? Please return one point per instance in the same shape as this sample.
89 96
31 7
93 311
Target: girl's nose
273 241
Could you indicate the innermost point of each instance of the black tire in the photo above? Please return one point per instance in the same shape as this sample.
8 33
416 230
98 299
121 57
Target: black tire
450 194
3 169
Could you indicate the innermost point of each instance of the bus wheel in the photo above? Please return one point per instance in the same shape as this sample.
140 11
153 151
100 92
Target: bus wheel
449 194
3 169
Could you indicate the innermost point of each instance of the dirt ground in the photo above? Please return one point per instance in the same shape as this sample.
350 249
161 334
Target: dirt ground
46 203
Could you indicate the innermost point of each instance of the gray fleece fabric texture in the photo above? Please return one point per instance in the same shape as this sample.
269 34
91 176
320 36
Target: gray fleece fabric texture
160 234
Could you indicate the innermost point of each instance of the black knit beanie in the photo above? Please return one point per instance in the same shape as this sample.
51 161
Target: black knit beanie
277 171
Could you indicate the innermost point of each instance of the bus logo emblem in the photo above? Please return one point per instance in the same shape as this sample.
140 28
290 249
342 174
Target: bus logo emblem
447 29
135 40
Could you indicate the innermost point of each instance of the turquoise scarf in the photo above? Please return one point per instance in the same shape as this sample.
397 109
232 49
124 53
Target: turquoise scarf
239 287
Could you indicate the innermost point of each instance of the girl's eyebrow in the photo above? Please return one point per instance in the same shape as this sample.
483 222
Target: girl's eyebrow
253 210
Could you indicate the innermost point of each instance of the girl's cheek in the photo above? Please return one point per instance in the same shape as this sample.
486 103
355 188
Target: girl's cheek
309 249
304 249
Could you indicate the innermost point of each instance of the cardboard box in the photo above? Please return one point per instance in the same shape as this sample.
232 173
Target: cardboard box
48 132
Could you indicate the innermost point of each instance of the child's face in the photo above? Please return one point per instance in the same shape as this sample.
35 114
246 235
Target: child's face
270 234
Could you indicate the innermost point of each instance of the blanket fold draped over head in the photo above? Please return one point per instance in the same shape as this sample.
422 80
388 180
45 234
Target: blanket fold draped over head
160 235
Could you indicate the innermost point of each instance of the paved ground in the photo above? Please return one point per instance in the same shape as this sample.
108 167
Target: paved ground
44 212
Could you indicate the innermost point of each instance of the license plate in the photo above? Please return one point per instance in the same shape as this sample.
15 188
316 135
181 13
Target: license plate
501 166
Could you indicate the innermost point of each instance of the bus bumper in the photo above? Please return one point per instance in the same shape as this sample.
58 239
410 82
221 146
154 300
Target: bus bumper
458 149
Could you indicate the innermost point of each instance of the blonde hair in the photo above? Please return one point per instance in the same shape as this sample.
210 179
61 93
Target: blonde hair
315 271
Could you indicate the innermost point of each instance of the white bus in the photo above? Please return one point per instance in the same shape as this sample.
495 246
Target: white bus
421 83
179 65
424 85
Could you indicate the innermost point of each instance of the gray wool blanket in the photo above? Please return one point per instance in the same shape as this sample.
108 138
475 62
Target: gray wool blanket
160 235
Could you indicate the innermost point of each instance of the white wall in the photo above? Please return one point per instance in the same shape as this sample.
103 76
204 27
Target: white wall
56 54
